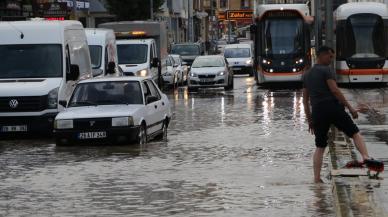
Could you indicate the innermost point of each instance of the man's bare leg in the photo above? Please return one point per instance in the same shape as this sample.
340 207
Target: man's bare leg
317 164
360 145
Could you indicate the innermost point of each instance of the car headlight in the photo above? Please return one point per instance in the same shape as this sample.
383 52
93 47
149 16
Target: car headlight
122 121
63 124
249 61
52 99
142 73
221 73
192 74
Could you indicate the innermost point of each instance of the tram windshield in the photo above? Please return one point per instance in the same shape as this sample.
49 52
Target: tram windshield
364 36
283 36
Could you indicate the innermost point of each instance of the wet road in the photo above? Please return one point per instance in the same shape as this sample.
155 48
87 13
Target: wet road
244 152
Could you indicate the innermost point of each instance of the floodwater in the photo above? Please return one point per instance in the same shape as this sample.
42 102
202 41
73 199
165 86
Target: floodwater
244 152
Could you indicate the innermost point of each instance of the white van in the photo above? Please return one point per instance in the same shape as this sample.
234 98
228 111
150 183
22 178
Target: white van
138 57
103 52
240 58
40 63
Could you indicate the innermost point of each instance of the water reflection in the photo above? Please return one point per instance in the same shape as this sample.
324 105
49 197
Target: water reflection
219 161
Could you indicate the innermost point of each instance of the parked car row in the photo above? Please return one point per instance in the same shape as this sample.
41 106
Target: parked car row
55 75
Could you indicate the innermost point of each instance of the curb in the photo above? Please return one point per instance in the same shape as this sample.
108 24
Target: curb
353 191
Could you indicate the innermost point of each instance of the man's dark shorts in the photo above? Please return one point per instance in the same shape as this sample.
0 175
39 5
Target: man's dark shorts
327 113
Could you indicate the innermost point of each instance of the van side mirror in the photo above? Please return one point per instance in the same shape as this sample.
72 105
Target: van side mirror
155 62
111 68
74 73
151 99
63 103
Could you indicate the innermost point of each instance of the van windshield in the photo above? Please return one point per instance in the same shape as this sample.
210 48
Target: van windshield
132 53
237 53
95 55
186 50
30 61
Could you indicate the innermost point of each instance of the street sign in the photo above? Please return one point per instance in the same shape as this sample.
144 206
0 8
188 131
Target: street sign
221 16
239 14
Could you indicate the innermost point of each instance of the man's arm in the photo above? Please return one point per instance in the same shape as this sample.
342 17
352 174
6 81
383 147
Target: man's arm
341 98
306 105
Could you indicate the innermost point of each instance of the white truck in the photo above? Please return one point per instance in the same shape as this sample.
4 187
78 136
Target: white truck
141 47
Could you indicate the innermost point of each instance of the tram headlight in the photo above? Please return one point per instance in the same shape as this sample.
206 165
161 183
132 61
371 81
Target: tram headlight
266 62
299 61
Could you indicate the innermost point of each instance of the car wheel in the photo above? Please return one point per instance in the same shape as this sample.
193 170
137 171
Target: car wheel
142 136
60 142
163 134
251 73
192 89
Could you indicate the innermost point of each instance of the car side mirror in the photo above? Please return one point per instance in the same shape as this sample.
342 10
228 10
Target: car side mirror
151 99
63 103
74 73
111 68
155 62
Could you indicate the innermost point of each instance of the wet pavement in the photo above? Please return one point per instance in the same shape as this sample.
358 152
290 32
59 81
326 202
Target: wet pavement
244 152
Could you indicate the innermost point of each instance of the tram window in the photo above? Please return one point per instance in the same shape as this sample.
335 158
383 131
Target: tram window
283 36
362 37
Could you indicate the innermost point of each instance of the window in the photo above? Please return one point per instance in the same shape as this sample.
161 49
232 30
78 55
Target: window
107 93
31 61
245 4
152 88
132 53
223 3
95 55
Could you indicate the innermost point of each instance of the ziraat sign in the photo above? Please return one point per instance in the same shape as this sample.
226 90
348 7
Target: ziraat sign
239 15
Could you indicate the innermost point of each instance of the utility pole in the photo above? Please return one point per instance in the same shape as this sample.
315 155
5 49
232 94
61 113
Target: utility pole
317 24
151 9
74 10
229 24
329 23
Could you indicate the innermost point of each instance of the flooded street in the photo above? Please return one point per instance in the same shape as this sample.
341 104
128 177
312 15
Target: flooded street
244 152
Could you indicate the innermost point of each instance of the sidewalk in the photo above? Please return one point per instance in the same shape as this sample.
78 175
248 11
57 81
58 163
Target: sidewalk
355 194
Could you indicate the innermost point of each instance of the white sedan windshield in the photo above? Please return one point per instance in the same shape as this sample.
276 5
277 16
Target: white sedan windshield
107 93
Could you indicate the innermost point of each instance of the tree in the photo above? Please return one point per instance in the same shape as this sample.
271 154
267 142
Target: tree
133 9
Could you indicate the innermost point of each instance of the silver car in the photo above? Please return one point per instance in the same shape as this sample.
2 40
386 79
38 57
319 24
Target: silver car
210 71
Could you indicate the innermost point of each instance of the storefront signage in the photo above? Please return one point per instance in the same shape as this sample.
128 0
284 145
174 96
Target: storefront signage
239 15
221 16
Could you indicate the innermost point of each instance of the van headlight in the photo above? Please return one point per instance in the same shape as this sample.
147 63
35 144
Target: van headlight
122 121
52 99
63 124
142 73
249 61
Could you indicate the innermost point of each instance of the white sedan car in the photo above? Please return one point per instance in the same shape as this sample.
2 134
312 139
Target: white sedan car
114 110
171 77
210 71
181 69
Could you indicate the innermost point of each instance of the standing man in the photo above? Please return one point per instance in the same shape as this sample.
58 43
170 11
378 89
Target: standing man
328 107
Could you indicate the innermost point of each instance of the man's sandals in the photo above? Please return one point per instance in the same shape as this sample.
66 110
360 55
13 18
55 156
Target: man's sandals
372 165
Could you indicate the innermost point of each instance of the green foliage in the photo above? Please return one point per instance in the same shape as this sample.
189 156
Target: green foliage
133 9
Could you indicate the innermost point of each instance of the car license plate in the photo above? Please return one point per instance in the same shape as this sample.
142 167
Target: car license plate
17 128
92 135
236 69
